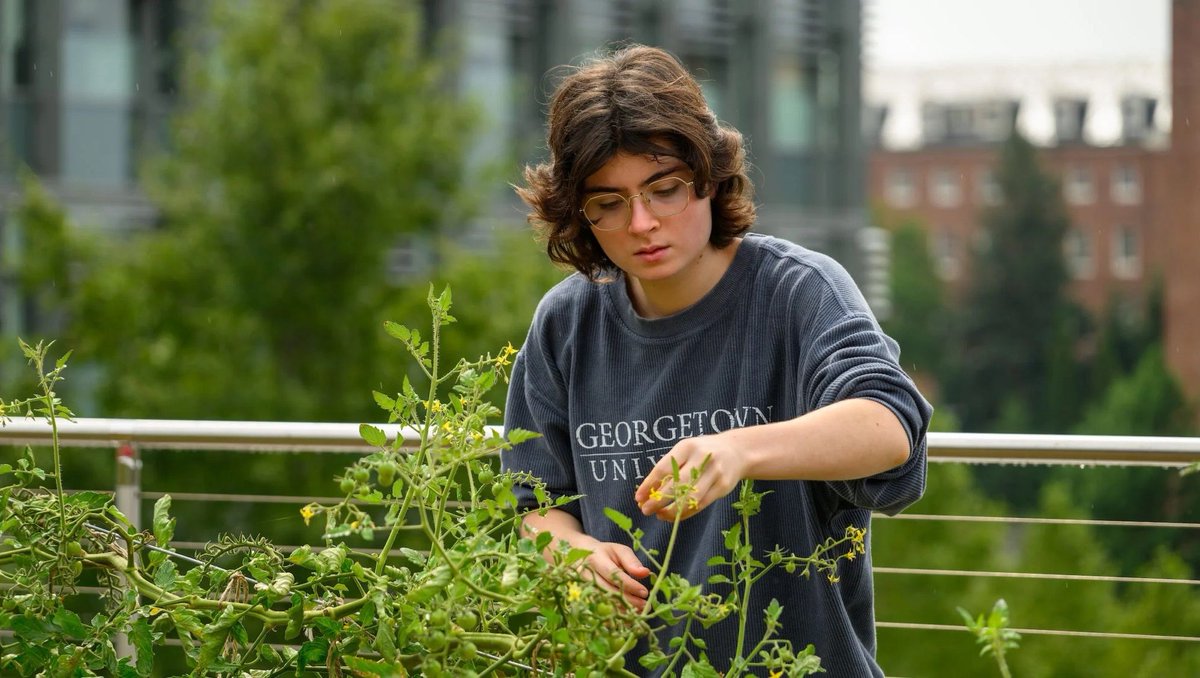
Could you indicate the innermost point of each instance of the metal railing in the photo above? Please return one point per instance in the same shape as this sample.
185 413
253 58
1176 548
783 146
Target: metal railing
129 437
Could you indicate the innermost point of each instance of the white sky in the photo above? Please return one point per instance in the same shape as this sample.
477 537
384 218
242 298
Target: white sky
1031 50
922 33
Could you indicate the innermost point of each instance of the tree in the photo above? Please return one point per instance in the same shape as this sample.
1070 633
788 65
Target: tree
499 291
312 136
1016 300
917 300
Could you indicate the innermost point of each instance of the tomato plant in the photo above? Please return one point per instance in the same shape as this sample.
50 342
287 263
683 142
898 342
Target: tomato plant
483 598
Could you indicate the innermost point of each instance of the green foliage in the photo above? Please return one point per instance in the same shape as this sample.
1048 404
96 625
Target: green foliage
1074 549
504 285
480 597
312 137
1011 317
993 634
1148 401
918 324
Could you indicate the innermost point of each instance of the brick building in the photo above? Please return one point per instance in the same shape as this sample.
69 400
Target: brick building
1113 196
1133 202
1182 260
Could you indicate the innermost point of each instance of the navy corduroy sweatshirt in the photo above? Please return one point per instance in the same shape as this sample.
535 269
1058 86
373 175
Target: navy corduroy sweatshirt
784 332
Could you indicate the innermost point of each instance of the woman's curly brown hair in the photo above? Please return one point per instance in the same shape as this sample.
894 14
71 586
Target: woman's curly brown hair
642 101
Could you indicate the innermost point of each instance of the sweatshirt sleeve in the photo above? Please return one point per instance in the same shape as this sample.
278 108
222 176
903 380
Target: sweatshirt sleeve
849 356
537 401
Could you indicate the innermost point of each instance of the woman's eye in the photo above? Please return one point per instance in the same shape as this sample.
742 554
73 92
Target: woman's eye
609 205
666 191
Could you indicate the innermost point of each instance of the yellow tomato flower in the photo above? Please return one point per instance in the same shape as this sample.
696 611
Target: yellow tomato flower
574 592
307 513
656 494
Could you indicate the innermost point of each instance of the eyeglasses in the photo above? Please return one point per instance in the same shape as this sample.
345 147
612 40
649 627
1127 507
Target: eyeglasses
664 198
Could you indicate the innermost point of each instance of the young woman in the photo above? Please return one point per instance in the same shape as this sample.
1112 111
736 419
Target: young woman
684 339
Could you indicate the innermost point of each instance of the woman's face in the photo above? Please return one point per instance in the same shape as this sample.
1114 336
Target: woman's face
650 249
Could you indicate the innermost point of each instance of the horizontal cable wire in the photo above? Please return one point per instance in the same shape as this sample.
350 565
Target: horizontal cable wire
271 499
1034 521
289 548
1031 575
1041 632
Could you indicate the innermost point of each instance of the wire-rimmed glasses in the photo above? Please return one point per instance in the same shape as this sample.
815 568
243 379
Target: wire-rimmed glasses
664 198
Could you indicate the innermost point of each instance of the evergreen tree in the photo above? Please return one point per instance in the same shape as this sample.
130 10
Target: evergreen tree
1012 317
917 301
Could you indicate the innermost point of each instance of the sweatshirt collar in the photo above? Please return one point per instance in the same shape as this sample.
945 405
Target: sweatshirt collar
717 302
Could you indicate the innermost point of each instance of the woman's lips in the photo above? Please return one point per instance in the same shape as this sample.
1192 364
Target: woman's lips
651 254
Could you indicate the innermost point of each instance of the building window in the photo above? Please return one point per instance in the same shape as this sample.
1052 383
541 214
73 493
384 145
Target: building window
792 107
1126 184
98 87
987 188
1126 253
944 188
1080 254
901 187
1079 188
945 254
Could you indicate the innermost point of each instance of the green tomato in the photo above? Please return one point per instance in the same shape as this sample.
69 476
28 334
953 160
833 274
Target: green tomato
387 473
467 650
604 609
362 474
438 619
436 642
486 475
347 484
468 620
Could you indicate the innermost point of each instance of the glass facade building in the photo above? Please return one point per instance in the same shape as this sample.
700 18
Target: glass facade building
86 87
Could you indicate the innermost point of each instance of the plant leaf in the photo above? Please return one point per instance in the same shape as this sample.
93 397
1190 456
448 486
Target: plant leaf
620 519
164 528
374 436
142 639
295 617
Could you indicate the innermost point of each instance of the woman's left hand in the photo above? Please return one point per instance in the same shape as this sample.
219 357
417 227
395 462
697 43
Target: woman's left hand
712 459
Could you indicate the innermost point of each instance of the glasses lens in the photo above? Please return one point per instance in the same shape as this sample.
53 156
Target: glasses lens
610 211
668 197
607 212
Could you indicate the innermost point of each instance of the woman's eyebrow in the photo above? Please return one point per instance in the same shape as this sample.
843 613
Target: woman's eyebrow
649 180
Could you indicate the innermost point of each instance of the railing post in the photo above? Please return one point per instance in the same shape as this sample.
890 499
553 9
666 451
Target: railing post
128 500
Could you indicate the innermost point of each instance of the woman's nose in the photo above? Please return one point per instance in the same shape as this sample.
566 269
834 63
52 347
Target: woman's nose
640 217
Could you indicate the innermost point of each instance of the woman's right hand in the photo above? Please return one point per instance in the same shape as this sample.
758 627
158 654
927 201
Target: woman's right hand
616 568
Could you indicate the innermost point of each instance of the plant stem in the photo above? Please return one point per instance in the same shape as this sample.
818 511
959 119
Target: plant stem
51 416
665 562
998 651
748 581
421 452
